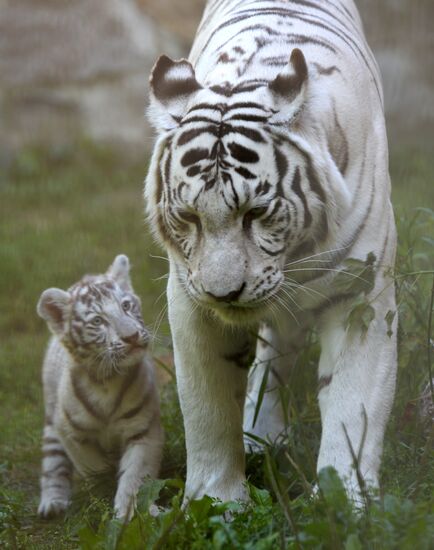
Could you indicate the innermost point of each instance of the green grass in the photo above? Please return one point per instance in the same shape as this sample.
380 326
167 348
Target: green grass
67 212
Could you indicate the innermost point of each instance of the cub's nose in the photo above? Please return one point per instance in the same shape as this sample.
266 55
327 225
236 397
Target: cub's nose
133 339
229 297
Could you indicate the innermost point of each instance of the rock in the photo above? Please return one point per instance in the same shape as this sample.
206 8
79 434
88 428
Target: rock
73 68
400 34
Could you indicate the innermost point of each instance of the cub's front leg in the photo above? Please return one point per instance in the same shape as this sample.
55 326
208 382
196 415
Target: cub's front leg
141 458
211 384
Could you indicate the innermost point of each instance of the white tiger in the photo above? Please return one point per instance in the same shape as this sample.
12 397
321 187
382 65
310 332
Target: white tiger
270 170
101 402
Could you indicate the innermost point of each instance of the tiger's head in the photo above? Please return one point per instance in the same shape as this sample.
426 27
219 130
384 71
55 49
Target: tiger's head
233 190
98 320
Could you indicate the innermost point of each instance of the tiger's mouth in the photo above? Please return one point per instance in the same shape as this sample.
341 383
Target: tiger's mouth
120 359
240 314
237 312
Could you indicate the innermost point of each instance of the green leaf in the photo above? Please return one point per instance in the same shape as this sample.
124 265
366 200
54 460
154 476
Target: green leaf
260 496
332 487
199 510
261 393
149 492
428 240
353 543
113 533
356 276
360 317
425 210
89 540
390 316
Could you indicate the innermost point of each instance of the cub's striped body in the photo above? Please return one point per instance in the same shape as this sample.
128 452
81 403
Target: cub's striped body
101 403
270 171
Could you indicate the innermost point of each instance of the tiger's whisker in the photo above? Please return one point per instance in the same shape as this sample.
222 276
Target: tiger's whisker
301 260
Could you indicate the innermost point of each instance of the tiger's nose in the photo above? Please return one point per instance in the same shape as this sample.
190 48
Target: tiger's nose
229 297
132 339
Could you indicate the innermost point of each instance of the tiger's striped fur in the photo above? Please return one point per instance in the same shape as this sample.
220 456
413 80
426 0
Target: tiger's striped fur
101 403
270 171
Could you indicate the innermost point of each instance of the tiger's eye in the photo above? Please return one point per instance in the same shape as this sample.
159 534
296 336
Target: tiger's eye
126 305
97 321
253 214
190 217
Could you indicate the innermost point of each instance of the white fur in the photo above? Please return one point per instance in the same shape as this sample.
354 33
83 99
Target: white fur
76 439
346 101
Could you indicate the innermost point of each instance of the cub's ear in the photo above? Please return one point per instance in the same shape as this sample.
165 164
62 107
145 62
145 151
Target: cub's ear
289 88
172 84
53 306
120 271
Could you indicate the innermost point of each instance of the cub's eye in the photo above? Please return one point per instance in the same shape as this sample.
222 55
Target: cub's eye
126 305
253 214
96 321
190 217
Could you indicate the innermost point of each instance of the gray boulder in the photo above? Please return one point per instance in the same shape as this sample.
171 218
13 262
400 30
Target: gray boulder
72 68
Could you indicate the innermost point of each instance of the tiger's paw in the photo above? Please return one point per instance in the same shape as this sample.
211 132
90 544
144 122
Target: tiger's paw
125 506
266 427
51 507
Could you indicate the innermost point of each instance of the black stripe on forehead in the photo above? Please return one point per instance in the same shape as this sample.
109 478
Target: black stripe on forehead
92 291
189 135
220 107
250 133
243 154
245 105
194 155
244 173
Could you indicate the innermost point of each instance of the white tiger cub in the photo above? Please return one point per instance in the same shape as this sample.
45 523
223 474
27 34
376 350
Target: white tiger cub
101 403
269 173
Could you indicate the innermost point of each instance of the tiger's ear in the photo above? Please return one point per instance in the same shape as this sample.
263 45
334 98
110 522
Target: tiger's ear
172 84
120 271
289 88
53 307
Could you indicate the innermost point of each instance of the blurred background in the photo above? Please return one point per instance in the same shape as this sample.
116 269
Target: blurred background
72 68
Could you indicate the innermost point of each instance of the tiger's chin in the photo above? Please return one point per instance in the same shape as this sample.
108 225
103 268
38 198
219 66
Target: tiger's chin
134 356
116 365
241 315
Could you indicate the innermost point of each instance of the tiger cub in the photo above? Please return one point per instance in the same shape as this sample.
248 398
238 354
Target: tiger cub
101 403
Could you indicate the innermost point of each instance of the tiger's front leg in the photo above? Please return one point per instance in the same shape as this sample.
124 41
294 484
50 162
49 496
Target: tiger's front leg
266 407
357 374
211 383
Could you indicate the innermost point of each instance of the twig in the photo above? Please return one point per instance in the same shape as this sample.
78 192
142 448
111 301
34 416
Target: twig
429 344
357 458
281 498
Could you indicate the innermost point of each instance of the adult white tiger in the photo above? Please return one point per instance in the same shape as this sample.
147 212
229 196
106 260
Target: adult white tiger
271 163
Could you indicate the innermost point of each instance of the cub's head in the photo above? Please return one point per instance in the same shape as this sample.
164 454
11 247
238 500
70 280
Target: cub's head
232 192
98 320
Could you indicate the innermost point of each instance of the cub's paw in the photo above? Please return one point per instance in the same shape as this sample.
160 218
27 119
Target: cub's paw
50 507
